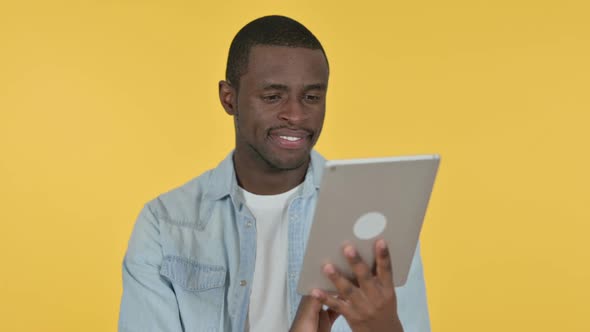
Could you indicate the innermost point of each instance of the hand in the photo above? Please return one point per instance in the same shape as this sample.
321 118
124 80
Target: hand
311 317
370 306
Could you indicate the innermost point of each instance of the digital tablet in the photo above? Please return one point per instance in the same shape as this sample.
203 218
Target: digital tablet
361 201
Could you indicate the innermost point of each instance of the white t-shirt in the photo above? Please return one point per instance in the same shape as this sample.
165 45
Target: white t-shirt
269 305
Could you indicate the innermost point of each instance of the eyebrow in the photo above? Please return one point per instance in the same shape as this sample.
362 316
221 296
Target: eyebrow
273 86
318 86
282 87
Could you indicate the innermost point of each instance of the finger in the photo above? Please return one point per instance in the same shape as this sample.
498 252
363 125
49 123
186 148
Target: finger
383 260
324 323
333 315
336 306
308 311
327 319
361 270
311 303
345 288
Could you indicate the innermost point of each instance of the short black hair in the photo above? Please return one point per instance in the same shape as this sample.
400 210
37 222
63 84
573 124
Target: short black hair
274 30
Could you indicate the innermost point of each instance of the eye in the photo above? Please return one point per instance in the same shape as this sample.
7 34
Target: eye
271 98
311 98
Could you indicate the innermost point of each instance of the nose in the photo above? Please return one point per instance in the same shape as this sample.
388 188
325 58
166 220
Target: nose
293 111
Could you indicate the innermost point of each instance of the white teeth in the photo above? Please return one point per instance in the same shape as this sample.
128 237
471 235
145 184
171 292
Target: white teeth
290 138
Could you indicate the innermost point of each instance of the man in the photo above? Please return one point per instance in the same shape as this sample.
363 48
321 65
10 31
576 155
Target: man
224 251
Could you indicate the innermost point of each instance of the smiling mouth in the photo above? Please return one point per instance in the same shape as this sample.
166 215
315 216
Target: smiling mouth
290 141
291 138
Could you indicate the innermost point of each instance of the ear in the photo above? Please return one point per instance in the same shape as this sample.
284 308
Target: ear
228 97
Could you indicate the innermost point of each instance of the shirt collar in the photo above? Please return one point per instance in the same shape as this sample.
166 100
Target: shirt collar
223 182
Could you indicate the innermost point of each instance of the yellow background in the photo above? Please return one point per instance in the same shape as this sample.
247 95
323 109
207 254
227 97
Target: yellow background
105 104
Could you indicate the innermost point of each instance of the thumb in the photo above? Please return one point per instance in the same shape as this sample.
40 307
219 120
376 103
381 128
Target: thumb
309 307
308 315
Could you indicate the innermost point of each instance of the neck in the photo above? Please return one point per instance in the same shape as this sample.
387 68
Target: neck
257 177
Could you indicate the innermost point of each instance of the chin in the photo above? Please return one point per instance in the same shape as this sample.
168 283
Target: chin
288 164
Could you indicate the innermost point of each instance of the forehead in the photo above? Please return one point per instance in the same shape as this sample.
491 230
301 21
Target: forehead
286 65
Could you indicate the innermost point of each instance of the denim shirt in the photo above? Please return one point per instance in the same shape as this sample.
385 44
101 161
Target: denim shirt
190 259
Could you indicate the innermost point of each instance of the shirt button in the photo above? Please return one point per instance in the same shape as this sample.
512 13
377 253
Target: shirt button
248 223
243 283
292 275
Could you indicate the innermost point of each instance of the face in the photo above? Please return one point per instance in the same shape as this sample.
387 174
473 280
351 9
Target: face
280 105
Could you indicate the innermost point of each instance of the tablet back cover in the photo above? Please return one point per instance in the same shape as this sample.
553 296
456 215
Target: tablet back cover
362 200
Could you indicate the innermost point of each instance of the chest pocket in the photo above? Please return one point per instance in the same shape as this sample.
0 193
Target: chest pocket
200 292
